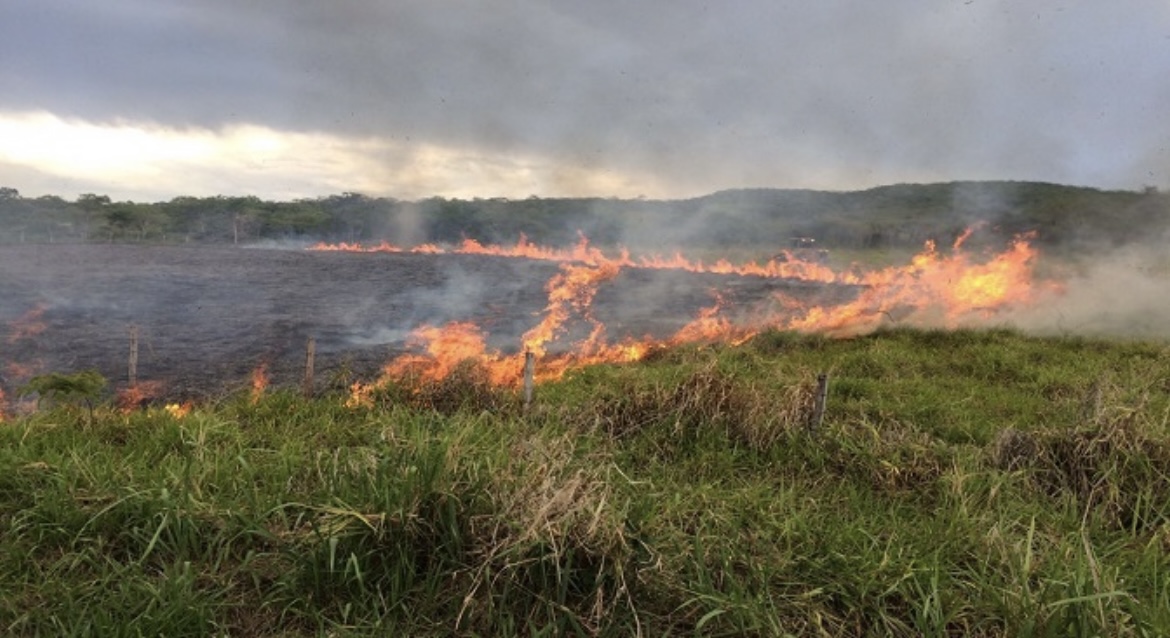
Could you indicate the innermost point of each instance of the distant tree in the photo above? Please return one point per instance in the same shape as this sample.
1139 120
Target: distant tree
91 206
90 201
245 211
9 193
134 221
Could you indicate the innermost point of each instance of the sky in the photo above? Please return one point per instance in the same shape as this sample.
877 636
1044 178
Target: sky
147 100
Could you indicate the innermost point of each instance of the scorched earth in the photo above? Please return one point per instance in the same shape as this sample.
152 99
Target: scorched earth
207 318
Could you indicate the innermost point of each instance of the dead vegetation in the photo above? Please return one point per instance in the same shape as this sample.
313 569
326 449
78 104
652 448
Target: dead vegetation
1112 463
707 399
468 387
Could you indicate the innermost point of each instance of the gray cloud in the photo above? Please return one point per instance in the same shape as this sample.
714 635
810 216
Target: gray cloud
702 95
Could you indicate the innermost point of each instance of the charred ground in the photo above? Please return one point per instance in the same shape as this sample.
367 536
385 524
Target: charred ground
208 316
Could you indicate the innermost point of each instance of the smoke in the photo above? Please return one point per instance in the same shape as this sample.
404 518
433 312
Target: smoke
463 288
1117 294
408 226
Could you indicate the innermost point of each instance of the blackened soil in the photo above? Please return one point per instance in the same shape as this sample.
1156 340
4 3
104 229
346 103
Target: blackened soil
208 316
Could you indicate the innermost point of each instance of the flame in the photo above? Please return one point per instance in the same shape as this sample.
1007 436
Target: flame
23 370
933 289
259 381
25 327
28 325
445 348
177 410
361 395
571 289
135 396
709 326
786 265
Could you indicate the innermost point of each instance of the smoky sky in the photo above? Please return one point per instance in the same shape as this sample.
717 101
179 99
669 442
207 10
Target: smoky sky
702 95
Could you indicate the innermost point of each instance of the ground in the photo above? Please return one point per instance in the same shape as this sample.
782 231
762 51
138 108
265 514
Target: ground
208 316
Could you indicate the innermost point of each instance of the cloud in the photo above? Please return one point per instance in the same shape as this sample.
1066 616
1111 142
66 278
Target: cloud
50 155
698 95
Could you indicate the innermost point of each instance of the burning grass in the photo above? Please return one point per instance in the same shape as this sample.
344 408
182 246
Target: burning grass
963 483
935 288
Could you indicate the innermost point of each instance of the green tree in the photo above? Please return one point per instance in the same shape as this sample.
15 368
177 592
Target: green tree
85 387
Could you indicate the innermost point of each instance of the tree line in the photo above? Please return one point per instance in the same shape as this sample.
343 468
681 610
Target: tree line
896 216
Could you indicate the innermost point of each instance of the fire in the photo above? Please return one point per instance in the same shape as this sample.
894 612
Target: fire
28 325
572 289
933 289
360 395
709 326
135 396
582 252
23 370
259 381
178 410
446 348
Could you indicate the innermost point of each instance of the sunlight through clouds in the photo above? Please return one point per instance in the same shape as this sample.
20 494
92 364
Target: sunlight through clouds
136 161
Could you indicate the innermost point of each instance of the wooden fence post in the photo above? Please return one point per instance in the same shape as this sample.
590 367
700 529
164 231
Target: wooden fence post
310 355
529 377
132 373
822 396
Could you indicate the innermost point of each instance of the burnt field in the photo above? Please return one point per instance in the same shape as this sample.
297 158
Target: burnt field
208 316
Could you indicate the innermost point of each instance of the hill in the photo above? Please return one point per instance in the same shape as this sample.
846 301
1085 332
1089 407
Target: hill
895 216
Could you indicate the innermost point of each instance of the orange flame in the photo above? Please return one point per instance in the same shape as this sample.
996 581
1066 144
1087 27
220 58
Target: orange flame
135 396
572 289
445 349
934 289
360 395
259 381
177 410
23 370
28 325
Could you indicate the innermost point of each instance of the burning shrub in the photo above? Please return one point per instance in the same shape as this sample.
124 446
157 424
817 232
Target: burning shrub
468 387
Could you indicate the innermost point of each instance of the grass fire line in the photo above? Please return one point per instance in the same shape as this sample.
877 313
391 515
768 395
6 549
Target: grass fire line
947 289
935 288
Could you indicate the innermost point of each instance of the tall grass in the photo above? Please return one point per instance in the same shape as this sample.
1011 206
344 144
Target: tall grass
962 483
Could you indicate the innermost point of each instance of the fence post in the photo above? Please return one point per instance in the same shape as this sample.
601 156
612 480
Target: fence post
529 377
822 396
132 372
310 355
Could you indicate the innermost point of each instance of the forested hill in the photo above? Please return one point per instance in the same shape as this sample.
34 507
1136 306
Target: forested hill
902 215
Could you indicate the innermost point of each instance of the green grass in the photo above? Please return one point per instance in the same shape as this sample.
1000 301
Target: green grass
961 483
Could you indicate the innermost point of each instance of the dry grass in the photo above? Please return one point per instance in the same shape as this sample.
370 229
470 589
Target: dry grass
1112 463
708 399
556 525
467 388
